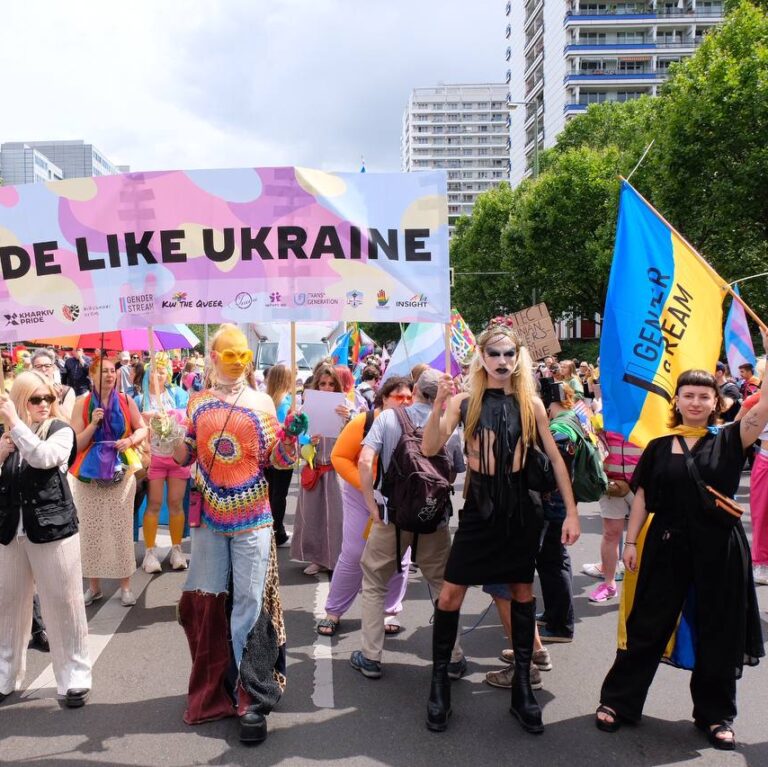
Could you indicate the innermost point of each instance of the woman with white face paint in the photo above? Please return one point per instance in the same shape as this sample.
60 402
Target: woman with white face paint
499 529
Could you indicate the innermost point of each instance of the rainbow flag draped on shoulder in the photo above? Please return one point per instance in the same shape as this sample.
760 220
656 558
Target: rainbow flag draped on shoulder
663 315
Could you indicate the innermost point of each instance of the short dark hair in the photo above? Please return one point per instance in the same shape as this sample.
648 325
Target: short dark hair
696 378
389 386
748 366
370 373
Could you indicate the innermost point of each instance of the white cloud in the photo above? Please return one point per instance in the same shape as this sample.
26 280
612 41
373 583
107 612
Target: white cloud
237 82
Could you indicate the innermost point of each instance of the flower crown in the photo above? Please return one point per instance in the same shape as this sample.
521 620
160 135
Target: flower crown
505 323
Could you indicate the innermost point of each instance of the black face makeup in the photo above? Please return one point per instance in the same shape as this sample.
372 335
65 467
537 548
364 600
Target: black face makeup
509 354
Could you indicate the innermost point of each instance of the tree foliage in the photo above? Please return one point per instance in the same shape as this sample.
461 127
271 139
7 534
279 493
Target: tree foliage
706 173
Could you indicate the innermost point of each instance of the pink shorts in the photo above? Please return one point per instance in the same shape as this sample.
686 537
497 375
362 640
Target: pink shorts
164 467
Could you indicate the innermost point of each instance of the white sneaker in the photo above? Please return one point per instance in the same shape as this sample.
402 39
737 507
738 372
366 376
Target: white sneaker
178 560
151 563
760 574
593 570
126 598
91 596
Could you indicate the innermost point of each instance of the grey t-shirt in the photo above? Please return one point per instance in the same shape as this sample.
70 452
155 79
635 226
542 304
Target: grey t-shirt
385 433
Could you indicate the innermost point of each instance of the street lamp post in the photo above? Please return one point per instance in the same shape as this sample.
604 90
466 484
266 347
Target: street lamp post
512 105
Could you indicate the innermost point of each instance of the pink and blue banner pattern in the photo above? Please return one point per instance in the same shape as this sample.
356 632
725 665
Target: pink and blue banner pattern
242 245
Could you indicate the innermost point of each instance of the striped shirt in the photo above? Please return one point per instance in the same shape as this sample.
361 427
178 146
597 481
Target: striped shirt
622 456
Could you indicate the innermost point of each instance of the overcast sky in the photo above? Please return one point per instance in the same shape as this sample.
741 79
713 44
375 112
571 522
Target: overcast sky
161 84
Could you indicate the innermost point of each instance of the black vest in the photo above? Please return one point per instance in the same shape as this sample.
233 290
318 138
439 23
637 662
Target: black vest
42 496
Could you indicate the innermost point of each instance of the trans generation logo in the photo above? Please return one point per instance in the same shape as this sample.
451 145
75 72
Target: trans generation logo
300 299
382 299
354 298
70 312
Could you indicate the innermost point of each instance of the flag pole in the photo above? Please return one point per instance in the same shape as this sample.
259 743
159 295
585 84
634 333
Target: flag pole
448 348
725 286
405 345
294 370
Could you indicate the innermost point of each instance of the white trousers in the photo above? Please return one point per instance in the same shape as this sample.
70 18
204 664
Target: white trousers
56 570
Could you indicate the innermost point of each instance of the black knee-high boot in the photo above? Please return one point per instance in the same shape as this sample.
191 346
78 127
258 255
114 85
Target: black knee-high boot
443 638
524 704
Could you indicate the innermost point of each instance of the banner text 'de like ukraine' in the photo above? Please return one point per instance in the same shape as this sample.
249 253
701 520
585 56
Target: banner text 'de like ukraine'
663 315
239 245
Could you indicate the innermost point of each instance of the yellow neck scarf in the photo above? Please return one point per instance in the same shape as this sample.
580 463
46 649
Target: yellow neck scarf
689 431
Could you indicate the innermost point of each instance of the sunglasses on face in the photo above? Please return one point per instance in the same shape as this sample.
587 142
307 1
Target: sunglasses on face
509 353
230 356
401 397
49 399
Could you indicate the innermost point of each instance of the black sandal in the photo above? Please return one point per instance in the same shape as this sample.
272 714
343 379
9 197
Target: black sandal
721 744
327 623
603 724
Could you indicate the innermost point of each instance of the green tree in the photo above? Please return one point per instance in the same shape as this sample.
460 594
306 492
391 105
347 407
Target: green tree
558 241
712 149
479 292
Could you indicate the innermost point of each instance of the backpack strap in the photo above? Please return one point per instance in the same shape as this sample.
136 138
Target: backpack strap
369 416
405 422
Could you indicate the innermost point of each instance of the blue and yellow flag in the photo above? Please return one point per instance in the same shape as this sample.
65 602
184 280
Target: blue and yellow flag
663 315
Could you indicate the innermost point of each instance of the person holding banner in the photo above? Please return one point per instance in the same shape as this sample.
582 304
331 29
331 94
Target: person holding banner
162 405
233 436
499 530
108 426
695 559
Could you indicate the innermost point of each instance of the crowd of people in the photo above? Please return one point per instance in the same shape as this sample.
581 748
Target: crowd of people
87 437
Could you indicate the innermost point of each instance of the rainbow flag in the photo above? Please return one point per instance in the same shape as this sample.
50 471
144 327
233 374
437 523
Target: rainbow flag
663 315
462 338
420 342
738 343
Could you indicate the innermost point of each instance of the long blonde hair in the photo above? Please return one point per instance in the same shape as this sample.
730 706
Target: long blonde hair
523 386
24 386
278 383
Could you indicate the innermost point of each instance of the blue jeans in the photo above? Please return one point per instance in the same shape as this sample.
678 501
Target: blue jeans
247 556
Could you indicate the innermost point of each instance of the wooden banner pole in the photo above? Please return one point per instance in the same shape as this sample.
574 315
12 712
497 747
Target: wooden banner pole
448 348
294 369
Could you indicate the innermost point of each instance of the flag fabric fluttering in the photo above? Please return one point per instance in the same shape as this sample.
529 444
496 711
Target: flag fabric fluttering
340 352
420 342
462 339
663 315
738 343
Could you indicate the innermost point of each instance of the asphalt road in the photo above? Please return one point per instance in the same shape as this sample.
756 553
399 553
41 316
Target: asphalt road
330 714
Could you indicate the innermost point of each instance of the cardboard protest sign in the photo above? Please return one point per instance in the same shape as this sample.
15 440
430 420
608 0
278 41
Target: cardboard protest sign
535 325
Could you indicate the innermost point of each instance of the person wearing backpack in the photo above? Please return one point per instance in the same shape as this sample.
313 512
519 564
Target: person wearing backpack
348 575
395 440
506 427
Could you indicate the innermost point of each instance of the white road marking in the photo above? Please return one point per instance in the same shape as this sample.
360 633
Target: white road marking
322 693
102 627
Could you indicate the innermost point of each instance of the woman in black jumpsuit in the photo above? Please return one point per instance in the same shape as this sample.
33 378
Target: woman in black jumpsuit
688 550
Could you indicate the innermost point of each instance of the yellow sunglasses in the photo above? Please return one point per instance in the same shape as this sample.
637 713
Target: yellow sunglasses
230 356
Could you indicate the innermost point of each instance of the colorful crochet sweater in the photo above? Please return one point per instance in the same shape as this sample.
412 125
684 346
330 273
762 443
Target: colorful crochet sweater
232 484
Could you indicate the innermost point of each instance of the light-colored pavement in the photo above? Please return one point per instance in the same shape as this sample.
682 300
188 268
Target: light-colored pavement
330 714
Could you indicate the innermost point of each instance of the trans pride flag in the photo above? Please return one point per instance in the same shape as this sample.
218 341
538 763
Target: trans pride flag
663 315
738 344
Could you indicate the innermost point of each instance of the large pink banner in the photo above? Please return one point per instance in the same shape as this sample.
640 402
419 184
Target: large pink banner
243 245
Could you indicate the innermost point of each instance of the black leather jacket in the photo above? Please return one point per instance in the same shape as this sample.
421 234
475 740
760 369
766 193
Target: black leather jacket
41 496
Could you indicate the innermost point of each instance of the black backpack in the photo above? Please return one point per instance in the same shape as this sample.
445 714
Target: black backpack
417 488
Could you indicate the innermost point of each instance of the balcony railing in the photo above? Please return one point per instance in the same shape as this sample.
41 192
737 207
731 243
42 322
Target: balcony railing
650 13
644 74
651 45
575 106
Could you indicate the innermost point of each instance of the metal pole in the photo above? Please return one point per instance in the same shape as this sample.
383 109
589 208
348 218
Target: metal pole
536 140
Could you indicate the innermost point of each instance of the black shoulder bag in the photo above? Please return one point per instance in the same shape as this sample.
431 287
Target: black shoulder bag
717 507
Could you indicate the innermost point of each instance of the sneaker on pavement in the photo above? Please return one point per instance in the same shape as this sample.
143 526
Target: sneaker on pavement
126 598
595 570
506 676
151 563
178 560
603 593
760 575
457 669
541 658
548 637
91 596
368 668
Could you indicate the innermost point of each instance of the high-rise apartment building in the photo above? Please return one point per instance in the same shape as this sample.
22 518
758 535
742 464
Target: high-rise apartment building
461 129
563 55
24 162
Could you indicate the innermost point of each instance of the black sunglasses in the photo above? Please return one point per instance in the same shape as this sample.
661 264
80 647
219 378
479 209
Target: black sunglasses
49 399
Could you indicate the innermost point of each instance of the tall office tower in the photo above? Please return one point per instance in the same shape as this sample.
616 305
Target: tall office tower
563 55
461 129
24 162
